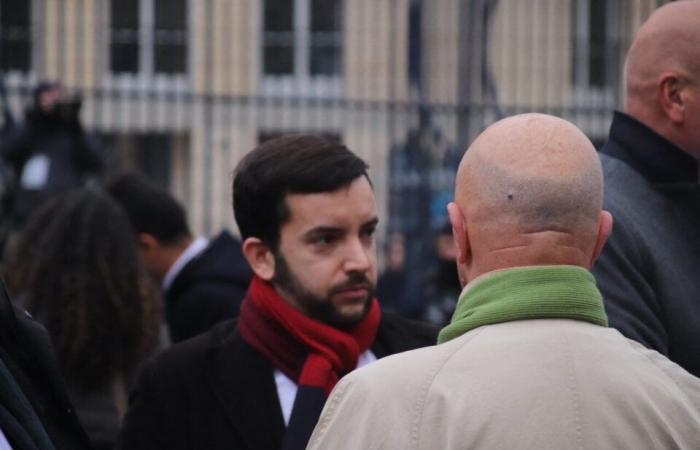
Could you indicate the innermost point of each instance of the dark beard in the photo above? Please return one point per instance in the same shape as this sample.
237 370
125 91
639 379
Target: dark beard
318 308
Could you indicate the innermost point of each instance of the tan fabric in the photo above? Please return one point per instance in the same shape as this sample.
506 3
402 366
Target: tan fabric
531 384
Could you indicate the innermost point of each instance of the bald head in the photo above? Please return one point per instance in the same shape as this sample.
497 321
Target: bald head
666 45
530 191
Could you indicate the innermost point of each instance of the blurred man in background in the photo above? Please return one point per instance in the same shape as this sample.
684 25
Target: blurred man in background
203 281
49 153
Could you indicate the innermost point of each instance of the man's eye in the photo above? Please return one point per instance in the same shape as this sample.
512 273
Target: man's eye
369 231
324 240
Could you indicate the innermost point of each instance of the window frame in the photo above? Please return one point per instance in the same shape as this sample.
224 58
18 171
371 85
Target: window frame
584 90
146 74
14 77
301 82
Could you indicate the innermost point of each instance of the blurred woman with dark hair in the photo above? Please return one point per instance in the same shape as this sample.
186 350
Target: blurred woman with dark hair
75 267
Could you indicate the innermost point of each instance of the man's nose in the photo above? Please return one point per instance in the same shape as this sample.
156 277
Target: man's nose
358 257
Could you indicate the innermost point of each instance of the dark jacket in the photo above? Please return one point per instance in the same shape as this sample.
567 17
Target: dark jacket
71 153
209 289
649 271
26 351
216 392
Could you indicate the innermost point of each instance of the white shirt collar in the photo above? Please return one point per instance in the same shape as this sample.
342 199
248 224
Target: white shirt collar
192 250
287 389
4 445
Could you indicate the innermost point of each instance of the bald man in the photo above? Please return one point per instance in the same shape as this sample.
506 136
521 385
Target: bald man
528 360
649 273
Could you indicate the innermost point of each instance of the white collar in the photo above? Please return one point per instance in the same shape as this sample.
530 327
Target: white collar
192 250
287 389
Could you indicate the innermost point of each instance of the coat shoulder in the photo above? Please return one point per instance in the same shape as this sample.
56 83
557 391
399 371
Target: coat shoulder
186 355
398 334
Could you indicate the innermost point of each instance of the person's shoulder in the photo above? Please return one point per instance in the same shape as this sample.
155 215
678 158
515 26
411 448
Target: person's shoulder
688 383
189 353
620 176
405 371
25 330
422 333
611 164
628 195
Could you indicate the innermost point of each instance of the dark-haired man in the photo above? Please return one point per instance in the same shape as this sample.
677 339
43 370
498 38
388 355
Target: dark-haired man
306 211
203 281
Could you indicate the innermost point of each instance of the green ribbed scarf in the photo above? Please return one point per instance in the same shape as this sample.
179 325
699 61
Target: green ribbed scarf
537 292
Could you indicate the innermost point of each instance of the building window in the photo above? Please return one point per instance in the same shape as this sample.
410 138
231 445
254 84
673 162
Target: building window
124 44
302 39
15 35
326 37
597 32
170 36
594 44
150 154
279 37
148 37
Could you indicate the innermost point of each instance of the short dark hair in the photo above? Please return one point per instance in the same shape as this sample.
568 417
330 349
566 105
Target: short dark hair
299 164
151 209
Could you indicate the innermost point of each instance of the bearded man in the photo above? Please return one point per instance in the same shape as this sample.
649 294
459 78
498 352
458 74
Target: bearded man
307 215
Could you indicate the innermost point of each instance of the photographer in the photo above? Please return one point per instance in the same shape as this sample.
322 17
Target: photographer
50 153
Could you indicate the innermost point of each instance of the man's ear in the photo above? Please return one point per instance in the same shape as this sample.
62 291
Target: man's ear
670 91
459 233
260 258
605 227
147 243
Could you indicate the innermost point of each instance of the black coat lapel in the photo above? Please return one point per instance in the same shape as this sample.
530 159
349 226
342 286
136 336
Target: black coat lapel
243 382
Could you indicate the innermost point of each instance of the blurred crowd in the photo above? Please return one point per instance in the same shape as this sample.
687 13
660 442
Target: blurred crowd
560 307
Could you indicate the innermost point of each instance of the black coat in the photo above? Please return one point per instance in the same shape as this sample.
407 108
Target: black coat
649 271
25 349
209 288
216 392
72 154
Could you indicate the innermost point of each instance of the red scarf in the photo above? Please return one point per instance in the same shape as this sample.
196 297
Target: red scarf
286 336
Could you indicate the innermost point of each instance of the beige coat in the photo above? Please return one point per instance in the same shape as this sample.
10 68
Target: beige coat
531 384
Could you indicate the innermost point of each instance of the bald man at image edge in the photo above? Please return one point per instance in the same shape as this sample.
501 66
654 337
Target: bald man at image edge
528 360
649 273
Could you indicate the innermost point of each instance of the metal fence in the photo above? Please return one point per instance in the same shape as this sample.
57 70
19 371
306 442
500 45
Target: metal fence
180 90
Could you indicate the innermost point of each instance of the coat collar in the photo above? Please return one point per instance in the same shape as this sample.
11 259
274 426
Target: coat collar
243 382
656 158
